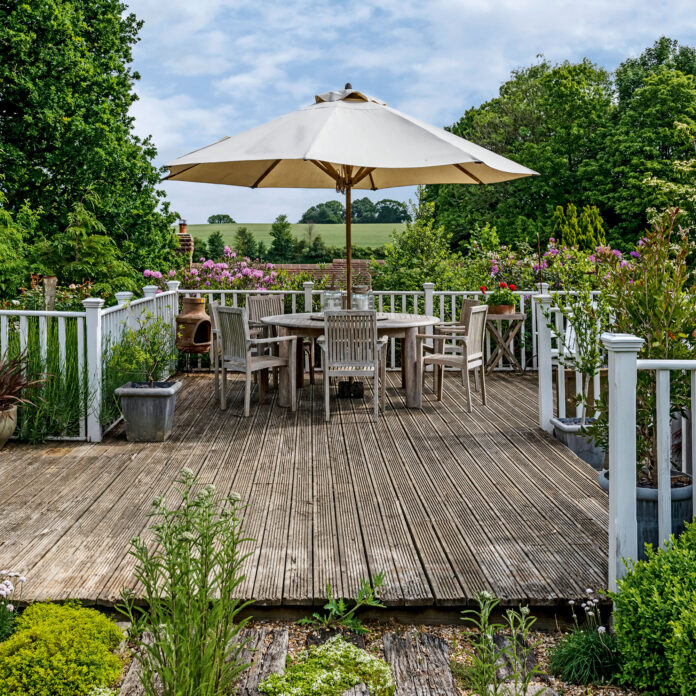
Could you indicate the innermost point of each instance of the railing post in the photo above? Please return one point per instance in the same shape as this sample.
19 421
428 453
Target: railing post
622 351
150 290
93 325
308 287
429 289
173 286
544 363
123 297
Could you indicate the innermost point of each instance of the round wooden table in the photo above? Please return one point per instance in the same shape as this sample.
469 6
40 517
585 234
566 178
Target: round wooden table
392 325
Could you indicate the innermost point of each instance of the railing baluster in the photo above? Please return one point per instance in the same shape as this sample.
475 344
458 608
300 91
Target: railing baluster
662 424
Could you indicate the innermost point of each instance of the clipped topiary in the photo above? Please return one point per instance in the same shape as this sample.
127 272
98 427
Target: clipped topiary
681 650
59 650
652 599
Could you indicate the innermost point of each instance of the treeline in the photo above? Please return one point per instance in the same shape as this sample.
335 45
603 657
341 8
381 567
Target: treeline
284 248
623 142
363 210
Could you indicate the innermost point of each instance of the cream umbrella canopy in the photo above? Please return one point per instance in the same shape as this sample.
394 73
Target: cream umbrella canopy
345 140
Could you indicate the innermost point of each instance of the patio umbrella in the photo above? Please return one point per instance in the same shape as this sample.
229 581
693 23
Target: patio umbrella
346 140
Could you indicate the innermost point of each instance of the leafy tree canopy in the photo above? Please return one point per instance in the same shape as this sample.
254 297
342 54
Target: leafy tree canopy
220 219
282 248
216 245
245 243
363 210
392 211
66 87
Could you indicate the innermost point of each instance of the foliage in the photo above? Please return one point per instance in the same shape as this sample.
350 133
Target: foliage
68 298
331 212
66 87
200 248
330 670
683 655
389 210
480 675
418 254
584 231
589 654
15 381
504 294
190 574
59 650
340 615
362 211
13 265
651 293
244 243
10 592
145 352
216 245
283 245
220 219
652 600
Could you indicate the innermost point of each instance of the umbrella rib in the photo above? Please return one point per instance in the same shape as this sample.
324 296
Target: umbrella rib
362 173
468 173
372 181
325 169
171 176
265 174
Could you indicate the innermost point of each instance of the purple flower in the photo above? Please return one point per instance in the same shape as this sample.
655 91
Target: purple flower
623 264
591 258
635 254
616 253
147 272
171 273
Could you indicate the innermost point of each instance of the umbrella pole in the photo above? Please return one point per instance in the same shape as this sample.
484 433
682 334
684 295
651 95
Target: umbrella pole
349 259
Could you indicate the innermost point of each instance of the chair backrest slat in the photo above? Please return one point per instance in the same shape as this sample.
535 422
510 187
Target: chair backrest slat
267 305
234 329
465 315
476 331
351 338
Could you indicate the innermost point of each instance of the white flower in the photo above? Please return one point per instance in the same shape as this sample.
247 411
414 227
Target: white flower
571 602
590 613
589 591
601 629
21 578
10 607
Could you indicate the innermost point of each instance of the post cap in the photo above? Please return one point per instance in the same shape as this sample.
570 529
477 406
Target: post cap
308 283
543 299
428 286
622 343
92 302
173 284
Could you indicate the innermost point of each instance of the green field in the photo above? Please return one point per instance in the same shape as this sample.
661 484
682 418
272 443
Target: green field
367 235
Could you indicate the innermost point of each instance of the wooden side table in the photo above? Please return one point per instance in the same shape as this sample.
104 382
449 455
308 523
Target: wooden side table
503 340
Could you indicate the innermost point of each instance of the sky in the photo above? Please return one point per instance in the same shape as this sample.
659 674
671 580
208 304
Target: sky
211 68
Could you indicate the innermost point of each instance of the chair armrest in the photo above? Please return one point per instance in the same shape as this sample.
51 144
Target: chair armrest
257 324
273 339
381 342
451 328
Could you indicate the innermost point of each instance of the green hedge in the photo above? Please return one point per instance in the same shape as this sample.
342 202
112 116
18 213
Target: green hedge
654 619
59 650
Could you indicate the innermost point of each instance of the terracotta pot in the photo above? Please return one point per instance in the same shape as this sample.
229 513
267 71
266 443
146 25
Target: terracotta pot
8 423
501 309
194 328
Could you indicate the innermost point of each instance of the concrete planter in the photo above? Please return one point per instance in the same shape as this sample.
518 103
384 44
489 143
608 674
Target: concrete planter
568 431
8 423
148 411
647 512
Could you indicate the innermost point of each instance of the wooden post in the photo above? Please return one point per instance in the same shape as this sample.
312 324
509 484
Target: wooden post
308 287
544 363
622 350
349 254
93 323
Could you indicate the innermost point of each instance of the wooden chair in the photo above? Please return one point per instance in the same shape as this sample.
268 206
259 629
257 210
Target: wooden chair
470 358
351 348
236 352
272 304
215 346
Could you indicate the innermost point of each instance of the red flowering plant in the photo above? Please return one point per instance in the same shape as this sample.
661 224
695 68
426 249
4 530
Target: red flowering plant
651 294
504 294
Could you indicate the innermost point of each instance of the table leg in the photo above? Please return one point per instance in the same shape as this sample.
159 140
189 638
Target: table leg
283 377
299 363
408 357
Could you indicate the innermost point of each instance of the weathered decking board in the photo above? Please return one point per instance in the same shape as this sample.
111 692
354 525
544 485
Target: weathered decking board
445 502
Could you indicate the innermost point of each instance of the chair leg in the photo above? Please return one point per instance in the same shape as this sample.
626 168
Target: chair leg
247 394
223 396
375 395
292 376
216 369
483 384
476 380
263 386
311 360
440 381
383 378
327 380
468 391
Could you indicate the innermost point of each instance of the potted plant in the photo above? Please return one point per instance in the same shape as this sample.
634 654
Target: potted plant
651 293
502 300
14 382
580 349
146 354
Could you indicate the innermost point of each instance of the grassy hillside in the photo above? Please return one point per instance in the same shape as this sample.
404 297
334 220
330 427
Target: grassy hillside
369 235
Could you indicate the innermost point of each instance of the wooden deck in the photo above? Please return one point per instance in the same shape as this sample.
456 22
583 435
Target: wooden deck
446 503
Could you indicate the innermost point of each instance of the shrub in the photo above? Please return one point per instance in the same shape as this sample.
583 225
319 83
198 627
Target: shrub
190 575
331 668
589 654
681 649
650 604
59 651
10 591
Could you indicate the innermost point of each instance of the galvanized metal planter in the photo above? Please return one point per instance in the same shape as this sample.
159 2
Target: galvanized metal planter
148 411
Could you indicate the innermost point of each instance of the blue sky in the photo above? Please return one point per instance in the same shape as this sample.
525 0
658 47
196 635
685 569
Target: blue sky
217 67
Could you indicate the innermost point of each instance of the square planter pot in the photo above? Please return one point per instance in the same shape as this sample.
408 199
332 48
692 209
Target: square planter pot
148 411
568 431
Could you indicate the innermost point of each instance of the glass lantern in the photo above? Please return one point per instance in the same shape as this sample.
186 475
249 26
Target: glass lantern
333 299
363 300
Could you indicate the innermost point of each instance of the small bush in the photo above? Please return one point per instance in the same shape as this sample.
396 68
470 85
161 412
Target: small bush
651 600
331 668
59 651
682 650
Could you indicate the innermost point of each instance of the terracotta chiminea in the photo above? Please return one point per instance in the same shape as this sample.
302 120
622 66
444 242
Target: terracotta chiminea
194 329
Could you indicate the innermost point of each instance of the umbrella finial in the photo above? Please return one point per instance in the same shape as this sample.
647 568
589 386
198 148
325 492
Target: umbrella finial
348 86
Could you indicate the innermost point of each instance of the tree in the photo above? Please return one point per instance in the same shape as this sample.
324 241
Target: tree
216 245
13 265
200 248
244 243
66 88
331 212
363 210
392 211
220 219
283 246
584 231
